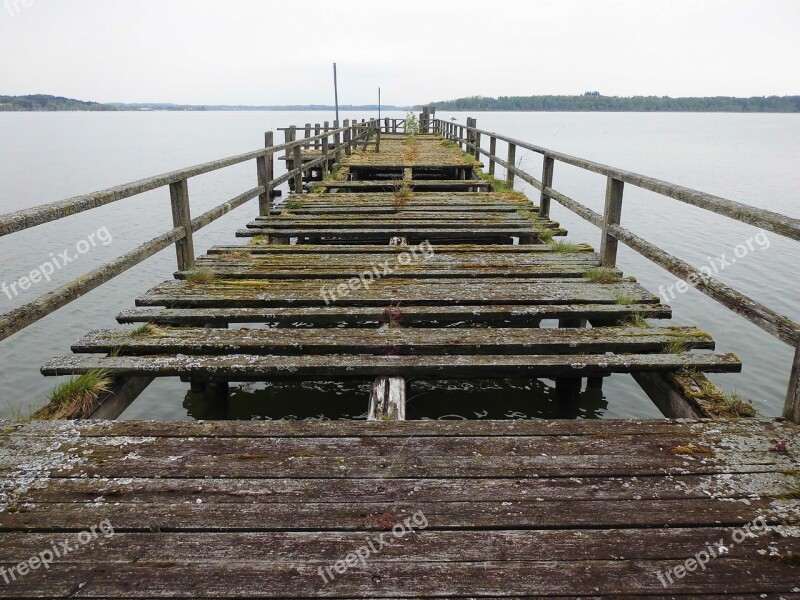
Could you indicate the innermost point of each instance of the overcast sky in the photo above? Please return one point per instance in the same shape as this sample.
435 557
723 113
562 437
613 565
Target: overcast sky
267 52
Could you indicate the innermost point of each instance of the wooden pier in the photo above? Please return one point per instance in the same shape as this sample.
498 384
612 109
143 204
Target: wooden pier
403 257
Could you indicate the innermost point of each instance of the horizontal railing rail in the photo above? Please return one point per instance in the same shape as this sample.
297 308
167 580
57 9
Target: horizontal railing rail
777 325
184 226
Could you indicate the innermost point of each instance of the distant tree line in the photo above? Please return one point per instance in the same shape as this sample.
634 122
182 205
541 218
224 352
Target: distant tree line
42 102
593 101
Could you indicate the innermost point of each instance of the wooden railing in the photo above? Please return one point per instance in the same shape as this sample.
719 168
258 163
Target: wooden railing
184 226
470 137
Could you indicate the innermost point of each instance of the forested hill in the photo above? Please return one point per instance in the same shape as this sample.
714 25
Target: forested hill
593 101
42 102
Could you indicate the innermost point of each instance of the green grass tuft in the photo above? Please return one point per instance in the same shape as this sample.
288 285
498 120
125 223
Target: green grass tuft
146 330
603 275
625 299
564 247
201 276
77 397
730 405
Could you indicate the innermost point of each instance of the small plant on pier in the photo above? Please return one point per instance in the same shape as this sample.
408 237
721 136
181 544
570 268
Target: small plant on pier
200 277
677 345
545 236
564 247
146 330
293 204
603 275
235 255
412 124
77 397
638 321
259 240
412 150
498 185
728 404
625 299
401 195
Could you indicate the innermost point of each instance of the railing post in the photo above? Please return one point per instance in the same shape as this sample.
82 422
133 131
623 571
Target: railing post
791 409
316 132
377 136
492 153
181 217
547 181
307 134
298 164
337 143
476 140
265 166
326 166
348 149
469 146
611 216
512 162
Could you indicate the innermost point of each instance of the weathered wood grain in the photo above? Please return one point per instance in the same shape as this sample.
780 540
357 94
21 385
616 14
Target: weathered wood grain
248 367
395 341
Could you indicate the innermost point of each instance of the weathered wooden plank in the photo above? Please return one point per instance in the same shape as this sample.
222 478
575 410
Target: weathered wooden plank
255 490
427 184
517 251
758 429
254 269
395 341
355 516
248 367
209 579
386 292
387 402
498 235
511 222
671 449
446 546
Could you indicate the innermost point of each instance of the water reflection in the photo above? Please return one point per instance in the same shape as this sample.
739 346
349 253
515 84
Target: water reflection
439 400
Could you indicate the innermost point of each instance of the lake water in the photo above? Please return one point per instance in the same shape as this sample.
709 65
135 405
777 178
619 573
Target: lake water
751 158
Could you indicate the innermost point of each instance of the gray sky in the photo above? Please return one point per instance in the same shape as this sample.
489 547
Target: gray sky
265 52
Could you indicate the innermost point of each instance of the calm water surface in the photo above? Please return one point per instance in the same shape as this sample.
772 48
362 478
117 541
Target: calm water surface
749 158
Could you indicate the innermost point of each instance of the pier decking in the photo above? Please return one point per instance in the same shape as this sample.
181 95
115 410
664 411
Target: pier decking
402 260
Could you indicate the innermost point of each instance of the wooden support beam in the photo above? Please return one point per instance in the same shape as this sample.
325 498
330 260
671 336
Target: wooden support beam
298 164
348 147
265 168
327 165
316 133
791 409
181 217
547 181
307 134
668 399
492 153
611 216
512 162
387 402
124 391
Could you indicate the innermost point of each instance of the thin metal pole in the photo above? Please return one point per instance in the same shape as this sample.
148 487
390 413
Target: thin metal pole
336 91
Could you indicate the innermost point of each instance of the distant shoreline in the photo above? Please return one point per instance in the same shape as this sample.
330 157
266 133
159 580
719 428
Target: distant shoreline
589 102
